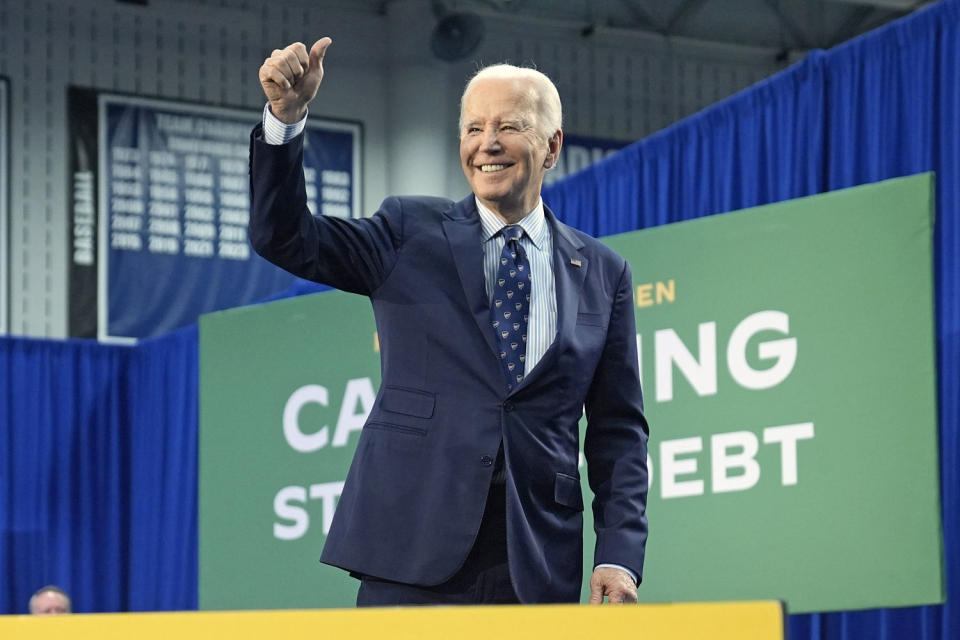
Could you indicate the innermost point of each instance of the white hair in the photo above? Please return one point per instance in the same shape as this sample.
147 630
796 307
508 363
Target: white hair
541 93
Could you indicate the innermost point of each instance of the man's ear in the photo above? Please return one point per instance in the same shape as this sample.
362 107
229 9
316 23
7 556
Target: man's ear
554 144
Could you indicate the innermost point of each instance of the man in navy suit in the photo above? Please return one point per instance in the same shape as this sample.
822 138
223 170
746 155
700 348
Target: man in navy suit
498 326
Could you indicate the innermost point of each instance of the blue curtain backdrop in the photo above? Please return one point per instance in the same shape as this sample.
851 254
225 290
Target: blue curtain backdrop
98 452
98 472
884 105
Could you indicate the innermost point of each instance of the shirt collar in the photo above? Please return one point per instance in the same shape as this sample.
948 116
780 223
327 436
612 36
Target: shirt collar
534 224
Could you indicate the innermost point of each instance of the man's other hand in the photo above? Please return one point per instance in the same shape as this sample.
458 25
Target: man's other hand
290 78
616 584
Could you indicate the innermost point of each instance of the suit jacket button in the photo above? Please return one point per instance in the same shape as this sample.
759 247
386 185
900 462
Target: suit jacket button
508 406
486 461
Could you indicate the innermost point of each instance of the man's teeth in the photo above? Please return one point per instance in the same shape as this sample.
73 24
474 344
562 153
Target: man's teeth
487 168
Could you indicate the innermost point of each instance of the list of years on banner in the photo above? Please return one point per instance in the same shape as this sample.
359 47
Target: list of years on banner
191 198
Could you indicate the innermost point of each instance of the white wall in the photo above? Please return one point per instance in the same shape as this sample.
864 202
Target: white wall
379 71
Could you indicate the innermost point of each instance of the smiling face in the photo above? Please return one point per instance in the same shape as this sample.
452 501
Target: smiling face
503 151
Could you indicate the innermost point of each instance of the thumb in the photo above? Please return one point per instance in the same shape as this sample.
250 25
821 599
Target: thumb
317 51
596 592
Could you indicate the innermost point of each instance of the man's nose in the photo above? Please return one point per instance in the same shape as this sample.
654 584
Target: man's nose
491 139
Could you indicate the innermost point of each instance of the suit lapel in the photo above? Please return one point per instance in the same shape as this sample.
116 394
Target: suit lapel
570 268
461 225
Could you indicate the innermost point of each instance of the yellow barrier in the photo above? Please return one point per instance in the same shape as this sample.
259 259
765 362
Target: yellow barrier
693 621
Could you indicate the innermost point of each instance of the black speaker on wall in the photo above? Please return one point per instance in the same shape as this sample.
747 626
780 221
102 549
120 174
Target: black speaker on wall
456 36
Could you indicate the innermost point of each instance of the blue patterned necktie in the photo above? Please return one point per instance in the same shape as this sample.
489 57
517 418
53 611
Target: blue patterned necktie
511 305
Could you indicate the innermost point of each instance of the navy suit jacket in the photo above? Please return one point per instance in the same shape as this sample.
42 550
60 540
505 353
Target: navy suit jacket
416 490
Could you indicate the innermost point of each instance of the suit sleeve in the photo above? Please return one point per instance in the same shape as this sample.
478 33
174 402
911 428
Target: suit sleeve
616 441
354 255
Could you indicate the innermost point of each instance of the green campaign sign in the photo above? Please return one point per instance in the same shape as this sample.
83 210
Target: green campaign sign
787 356
284 391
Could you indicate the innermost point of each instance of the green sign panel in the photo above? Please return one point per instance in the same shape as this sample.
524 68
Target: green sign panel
284 391
787 355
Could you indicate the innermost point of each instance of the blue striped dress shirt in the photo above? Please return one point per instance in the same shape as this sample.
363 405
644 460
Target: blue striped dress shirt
537 243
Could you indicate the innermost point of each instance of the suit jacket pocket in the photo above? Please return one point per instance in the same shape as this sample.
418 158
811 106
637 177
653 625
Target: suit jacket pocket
593 319
399 428
410 402
566 491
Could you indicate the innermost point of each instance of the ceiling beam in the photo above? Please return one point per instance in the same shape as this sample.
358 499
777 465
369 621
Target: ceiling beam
852 25
799 37
642 16
684 12
888 4
511 6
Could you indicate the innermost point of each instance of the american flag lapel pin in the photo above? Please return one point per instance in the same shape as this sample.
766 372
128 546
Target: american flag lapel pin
575 262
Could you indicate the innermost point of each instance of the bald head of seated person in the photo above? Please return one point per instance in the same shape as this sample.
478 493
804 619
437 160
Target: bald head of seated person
49 600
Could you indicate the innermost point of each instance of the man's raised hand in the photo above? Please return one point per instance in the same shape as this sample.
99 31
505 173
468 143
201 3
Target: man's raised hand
290 78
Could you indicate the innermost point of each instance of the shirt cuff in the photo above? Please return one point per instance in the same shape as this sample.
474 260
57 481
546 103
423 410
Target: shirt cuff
622 568
277 132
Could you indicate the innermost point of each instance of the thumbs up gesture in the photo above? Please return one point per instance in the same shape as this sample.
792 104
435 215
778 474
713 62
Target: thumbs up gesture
290 78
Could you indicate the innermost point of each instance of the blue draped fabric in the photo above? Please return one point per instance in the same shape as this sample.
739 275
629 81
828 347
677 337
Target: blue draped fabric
98 472
881 106
98 448
763 145
164 409
62 516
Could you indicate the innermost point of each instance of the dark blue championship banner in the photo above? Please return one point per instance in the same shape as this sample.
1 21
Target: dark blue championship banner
4 203
172 206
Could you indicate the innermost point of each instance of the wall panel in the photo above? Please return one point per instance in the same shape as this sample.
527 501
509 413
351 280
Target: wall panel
614 85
